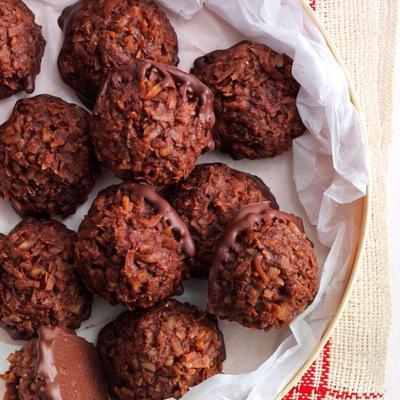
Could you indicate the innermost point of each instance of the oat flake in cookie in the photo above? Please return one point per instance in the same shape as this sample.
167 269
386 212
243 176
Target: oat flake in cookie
208 200
102 35
132 247
160 353
38 282
255 99
47 165
21 48
265 272
152 122
58 365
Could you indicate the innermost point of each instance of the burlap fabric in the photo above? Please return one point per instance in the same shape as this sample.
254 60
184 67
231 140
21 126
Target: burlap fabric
352 365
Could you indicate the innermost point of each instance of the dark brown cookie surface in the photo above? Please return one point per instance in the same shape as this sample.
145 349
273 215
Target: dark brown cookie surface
265 272
38 282
102 35
132 247
56 365
151 123
21 48
47 165
255 99
161 352
208 200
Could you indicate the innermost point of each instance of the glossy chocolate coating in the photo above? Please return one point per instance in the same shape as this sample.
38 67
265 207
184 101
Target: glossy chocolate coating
189 84
169 215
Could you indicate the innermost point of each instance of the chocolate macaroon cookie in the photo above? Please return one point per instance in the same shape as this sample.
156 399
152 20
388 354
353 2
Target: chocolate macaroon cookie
265 272
21 48
104 35
132 247
47 164
160 353
38 282
152 122
208 200
255 99
56 365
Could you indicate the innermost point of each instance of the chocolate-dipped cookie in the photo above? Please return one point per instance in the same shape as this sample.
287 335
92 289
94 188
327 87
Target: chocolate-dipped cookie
58 365
132 247
265 272
152 122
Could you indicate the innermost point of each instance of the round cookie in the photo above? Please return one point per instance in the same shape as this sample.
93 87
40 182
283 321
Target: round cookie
132 247
161 352
208 200
255 99
38 282
265 272
47 165
21 48
152 122
103 35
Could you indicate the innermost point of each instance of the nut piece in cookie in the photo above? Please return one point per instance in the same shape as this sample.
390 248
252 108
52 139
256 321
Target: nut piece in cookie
47 165
103 35
160 353
152 122
132 247
22 46
255 99
56 365
265 272
208 200
38 282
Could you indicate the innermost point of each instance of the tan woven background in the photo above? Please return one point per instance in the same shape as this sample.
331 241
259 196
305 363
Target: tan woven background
364 32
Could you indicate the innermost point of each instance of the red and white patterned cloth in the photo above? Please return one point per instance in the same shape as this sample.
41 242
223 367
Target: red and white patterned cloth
316 385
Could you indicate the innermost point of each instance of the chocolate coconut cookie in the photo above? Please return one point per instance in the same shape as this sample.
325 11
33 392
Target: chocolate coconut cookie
132 247
255 99
151 123
103 35
56 365
38 282
47 165
208 200
21 48
160 353
265 271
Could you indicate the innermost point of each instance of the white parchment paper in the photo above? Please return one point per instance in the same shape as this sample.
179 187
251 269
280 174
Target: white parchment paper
319 180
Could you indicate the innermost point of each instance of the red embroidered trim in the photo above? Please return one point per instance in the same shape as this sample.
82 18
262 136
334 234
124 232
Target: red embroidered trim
314 384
